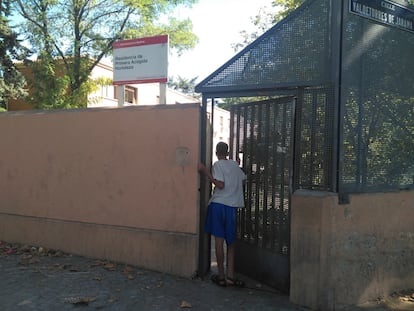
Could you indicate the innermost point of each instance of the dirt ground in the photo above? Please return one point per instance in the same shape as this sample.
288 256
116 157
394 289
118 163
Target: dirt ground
34 278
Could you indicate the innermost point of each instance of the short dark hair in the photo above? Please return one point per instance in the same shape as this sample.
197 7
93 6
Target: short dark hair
222 149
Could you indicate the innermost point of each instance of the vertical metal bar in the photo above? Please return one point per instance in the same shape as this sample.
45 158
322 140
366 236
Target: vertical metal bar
238 128
266 176
235 141
249 158
359 174
254 181
258 210
246 229
204 259
297 155
232 138
329 139
292 153
313 129
241 211
275 143
285 146
337 21
233 113
212 122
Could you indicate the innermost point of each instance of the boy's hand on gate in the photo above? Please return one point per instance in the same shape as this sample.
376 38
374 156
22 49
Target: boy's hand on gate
201 167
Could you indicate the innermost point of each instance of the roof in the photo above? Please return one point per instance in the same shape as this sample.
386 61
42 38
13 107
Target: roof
294 52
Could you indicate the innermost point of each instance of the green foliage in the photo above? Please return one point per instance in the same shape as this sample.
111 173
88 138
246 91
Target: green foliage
228 102
378 123
74 36
12 83
262 21
183 85
266 18
286 7
180 33
53 86
377 132
49 88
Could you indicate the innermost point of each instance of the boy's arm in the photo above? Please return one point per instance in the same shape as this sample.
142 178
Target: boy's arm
218 183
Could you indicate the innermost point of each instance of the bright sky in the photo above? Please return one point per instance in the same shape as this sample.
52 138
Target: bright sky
217 23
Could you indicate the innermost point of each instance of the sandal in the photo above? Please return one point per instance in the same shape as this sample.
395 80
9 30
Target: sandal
235 282
218 280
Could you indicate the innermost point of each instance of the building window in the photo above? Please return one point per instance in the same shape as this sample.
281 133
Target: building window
130 94
104 91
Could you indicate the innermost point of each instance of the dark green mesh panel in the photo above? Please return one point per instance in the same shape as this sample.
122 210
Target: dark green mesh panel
378 106
262 139
294 52
314 139
374 95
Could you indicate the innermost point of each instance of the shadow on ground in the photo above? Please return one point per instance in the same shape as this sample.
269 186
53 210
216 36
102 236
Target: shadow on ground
35 278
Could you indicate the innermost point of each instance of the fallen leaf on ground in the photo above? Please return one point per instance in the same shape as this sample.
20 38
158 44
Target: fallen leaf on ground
24 302
131 277
26 262
110 266
26 256
113 299
61 266
128 269
80 300
75 269
185 304
98 263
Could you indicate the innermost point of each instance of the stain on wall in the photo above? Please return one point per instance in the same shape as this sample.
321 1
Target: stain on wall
129 172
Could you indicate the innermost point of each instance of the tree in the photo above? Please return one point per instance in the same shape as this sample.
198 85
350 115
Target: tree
183 85
12 82
262 21
265 18
71 37
286 7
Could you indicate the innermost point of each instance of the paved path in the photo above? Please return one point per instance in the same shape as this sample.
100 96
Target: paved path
36 279
32 278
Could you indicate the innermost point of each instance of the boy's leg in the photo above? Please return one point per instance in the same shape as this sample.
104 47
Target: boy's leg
219 245
231 280
230 228
230 260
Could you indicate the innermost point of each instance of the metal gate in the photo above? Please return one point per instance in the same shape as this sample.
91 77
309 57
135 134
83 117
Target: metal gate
262 136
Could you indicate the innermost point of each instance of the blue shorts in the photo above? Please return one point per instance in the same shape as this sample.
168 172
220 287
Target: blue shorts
221 221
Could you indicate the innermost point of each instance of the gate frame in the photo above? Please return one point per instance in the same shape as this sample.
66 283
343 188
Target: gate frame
277 273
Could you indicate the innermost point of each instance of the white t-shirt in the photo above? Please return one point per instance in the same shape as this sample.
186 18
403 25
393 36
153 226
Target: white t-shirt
229 172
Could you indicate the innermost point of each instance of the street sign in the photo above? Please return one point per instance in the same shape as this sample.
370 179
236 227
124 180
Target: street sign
143 60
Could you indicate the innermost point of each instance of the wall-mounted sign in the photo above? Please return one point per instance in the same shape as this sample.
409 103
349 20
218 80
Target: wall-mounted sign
385 12
143 60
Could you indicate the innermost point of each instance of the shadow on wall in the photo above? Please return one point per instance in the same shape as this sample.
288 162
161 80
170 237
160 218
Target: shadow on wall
122 181
350 254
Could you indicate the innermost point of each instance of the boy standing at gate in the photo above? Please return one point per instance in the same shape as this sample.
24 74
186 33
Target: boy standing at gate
227 178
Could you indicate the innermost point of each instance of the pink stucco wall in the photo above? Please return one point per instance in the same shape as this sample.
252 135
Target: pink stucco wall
348 254
115 183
